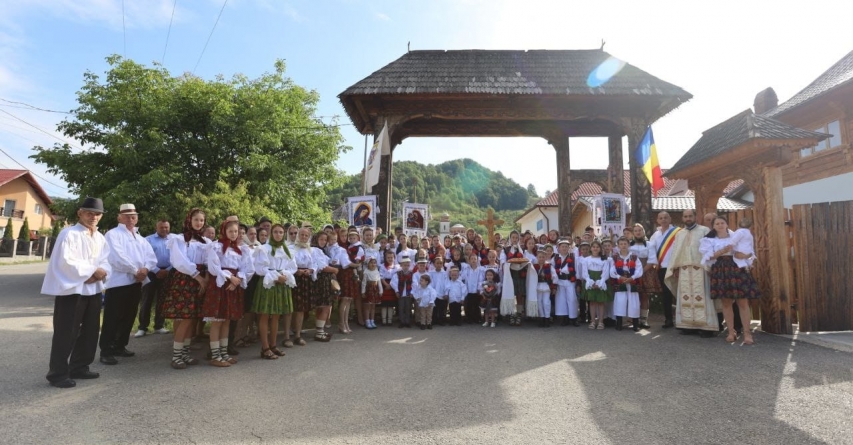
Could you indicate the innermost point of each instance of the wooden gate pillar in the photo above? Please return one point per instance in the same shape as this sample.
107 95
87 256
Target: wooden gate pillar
615 171
641 191
564 184
383 188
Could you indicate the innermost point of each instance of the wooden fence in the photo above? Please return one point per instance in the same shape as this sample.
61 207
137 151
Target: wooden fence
823 250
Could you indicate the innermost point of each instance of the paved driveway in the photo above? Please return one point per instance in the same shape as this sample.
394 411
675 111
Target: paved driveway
450 385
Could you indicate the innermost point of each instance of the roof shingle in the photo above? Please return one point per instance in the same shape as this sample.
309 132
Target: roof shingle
838 74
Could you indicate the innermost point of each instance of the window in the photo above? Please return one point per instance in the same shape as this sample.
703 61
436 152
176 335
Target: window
540 224
38 209
8 207
834 129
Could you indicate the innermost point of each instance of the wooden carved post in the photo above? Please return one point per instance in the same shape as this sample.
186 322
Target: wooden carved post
564 184
490 222
769 227
615 175
382 189
641 190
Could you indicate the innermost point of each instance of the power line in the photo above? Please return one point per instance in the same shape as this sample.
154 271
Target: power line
169 32
34 173
211 35
28 106
39 129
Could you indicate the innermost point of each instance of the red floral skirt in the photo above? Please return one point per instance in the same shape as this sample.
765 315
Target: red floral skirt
350 286
182 299
730 281
650 283
221 303
372 292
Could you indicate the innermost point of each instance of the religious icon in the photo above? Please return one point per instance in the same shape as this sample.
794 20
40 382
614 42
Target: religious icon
361 215
612 210
415 220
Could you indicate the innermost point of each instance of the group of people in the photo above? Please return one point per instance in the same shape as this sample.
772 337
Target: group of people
243 281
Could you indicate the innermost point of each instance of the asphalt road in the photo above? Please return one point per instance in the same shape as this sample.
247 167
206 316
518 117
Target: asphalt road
450 385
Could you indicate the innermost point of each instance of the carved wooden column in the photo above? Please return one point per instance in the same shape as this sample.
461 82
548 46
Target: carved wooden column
641 191
615 172
564 184
383 188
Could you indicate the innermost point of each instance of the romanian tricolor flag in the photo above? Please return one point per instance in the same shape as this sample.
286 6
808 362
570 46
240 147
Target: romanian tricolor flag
647 155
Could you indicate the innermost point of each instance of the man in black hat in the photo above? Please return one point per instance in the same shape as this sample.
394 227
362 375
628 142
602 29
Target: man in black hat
75 275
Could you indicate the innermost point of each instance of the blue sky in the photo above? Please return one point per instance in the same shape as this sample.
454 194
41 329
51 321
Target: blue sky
722 52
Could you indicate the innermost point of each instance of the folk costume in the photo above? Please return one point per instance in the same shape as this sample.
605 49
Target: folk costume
730 277
349 276
566 301
401 282
660 252
693 308
650 284
371 288
322 293
519 282
457 290
77 254
438 281
596 271
129 252
272 261
387 295
626 298
226 259
303 255
425 298
472 280
546 282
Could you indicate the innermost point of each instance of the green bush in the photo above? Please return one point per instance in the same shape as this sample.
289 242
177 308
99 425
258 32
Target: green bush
8 233
24 234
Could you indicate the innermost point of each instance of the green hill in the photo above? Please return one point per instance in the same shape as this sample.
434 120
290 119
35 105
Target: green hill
462 188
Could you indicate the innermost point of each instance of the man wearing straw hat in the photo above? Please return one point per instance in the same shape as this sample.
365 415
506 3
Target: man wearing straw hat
131 257
75 276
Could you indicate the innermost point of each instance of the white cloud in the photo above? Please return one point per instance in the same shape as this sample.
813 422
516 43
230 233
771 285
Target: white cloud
382 16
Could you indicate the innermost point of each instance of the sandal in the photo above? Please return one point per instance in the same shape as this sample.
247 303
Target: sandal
240 343
178 364
267 354
299 341
276 351
748 341
323 337
287 343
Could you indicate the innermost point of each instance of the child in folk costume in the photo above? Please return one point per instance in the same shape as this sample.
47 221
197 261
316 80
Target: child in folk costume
583 305
388 297
349 279
232 269
480 248
322 293
650 284
472 280
456 292
490 291
607 249
186 285
744 242
626 271
516 280
403 250
565 266
456 259
596 272
272 299
425 296
546 285
371 291
438 281
401 283
530 250
371 250
493 265
306 274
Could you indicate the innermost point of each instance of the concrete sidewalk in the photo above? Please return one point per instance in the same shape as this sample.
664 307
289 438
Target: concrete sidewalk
837 340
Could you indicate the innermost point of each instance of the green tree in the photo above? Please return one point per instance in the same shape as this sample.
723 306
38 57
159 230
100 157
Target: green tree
57 227
24 234
531 190
7 233
154 140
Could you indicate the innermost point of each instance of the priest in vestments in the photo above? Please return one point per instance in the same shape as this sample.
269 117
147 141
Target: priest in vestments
694 309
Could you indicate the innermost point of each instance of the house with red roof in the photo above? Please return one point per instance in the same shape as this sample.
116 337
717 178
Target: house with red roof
21 197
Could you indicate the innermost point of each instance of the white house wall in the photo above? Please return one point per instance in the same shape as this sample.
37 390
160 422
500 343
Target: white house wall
835 188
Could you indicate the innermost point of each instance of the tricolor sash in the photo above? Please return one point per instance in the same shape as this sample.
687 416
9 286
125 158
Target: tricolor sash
666 243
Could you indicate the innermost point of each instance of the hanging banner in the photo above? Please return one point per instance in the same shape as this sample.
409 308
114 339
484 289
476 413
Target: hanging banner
415 218
609 215
362 211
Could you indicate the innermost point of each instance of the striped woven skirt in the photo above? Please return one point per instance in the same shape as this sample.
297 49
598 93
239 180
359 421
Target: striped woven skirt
321 290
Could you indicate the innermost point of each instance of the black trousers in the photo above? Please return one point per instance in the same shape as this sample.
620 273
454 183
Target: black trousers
456 313
439 312
76 322
152 295
667 296
120 304
472 308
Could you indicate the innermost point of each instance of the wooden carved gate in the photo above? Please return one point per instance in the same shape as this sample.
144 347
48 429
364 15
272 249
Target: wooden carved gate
823 255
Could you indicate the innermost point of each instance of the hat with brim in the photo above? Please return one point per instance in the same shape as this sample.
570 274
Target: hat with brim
564 241
92 205
405 260
127 209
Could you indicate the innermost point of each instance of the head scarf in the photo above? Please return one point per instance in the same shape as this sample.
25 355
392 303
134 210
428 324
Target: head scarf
276 244
189 232
226 242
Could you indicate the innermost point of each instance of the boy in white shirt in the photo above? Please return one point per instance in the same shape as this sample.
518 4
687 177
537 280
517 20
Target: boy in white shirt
456 292
425 298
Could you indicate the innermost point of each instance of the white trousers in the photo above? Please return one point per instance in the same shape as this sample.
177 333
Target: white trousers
626 304
543 299
566 300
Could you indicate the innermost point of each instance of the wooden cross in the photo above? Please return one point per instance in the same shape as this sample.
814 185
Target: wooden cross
490 222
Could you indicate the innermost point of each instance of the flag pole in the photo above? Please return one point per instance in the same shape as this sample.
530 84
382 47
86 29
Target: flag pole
364 170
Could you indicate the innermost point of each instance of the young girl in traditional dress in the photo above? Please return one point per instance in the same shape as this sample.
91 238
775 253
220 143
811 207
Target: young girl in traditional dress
306 273
322 294
230 270
273 299
515 275
349 279
388 298
730 278
371 291
626 271
492 264
596 272
650 284
456 259
565 266
546 285
480 249
491 296
187 284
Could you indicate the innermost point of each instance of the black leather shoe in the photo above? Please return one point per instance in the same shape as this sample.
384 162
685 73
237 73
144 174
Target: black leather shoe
85 375
124 353
67 383
668 325
108 360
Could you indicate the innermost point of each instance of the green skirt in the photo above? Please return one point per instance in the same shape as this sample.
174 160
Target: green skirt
597 295
275 301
